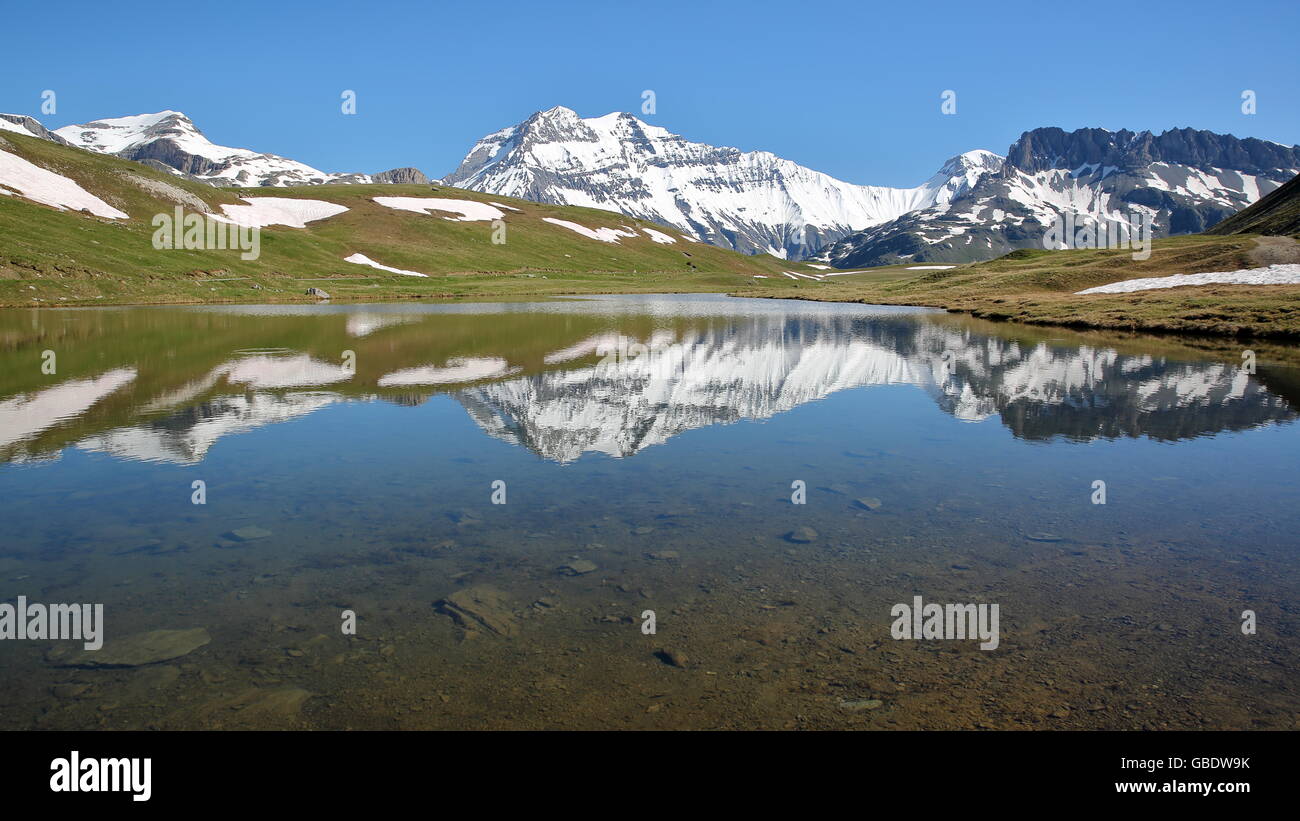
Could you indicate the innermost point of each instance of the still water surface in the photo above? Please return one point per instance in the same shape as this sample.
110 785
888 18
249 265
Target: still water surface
647 451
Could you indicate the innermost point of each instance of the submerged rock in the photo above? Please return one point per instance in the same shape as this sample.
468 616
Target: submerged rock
801 535
672 658
132 651
479 608
1044 537
248 534
578 567
70 690
868 503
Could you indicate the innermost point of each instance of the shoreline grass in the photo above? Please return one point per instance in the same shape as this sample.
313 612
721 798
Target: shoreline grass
1039 288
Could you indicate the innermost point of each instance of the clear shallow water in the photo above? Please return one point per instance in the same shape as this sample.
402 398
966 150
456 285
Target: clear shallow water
366 440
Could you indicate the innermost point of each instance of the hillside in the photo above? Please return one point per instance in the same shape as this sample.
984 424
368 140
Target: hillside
1040 287
49 255
1277 214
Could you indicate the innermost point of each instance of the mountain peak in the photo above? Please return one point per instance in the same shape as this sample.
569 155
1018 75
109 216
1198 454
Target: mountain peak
22 124
116 134
556 113
978 160
169 139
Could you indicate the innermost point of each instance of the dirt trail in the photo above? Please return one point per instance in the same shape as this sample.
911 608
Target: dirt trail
1275 251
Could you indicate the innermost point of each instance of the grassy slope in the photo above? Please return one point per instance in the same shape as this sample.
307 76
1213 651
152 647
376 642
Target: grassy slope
1039 287
50 256
1278 214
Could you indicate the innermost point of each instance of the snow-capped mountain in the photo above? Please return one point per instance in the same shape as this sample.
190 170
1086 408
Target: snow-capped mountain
977 206
170 141
751 201
1183 180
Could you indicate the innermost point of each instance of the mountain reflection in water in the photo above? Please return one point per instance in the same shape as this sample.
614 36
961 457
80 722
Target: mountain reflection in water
610 375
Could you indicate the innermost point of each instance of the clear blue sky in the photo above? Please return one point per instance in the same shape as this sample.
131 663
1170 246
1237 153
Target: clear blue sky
850 88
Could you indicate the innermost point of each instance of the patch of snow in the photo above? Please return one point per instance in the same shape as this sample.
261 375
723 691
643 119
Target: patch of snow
602 234
6 125
41 185
1288 274
362 259
263 211
469 210
659 236
930 267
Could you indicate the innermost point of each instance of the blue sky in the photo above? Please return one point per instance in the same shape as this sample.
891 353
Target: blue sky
849 88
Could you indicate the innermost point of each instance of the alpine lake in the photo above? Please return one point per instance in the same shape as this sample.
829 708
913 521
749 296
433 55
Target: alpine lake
645 512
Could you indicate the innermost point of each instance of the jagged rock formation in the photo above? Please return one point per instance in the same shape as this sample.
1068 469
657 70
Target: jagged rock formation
401 176
1183 181
21 124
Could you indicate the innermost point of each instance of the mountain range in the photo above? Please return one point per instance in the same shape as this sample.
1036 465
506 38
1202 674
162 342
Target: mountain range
751 201
1183 180
169 141
978 205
